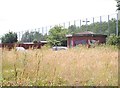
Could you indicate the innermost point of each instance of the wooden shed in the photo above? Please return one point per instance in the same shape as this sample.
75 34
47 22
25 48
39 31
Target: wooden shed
84 38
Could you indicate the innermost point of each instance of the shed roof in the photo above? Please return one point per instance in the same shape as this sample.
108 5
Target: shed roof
33 43
86 33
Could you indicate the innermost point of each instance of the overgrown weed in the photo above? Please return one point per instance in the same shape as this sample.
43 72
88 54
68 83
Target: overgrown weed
77 66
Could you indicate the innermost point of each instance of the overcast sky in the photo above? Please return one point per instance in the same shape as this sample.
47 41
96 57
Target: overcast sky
18 15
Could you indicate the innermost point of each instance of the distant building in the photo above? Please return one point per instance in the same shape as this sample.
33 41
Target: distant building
28 45
25 45
84 38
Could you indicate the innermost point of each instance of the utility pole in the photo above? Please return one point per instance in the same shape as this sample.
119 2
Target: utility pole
86 24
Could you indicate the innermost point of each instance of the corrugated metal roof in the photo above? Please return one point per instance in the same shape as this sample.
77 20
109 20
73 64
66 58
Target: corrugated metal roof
28 43
33 43
86 33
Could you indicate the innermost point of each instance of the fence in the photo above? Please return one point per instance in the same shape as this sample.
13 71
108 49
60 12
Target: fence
107 24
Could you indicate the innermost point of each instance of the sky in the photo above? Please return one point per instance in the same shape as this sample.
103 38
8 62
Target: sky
20 15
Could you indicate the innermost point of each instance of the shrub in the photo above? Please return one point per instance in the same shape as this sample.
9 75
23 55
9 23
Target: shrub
113 40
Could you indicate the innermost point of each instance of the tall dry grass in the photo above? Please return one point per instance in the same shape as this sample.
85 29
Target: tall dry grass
78 66
0 67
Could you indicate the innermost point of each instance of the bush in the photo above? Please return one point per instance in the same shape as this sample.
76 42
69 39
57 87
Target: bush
113 40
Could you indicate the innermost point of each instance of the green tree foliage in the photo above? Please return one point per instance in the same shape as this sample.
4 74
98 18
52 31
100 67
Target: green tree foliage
119 27
73 29
31 36
57 36
118 4
113 40
96 27
9 38
103 28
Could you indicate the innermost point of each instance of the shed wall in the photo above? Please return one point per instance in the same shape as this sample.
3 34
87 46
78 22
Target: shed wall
74 39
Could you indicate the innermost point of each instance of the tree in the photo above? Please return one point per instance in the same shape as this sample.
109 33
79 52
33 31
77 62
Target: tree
31 36
96 27
9 38
73 29
57 36
119 27
118 4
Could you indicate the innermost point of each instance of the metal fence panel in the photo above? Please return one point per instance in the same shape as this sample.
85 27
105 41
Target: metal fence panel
107 24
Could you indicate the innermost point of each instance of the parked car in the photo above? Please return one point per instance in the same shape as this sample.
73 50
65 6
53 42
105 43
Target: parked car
55 48
20 49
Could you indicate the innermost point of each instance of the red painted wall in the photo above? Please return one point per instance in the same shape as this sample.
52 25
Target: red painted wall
26 46
101 39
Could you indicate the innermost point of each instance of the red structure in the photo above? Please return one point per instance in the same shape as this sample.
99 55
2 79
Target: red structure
84 38
24 45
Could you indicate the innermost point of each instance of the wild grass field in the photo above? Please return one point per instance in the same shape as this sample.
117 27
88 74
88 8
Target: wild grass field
79 66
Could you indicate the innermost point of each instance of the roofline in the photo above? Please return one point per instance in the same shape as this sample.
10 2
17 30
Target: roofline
81 35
